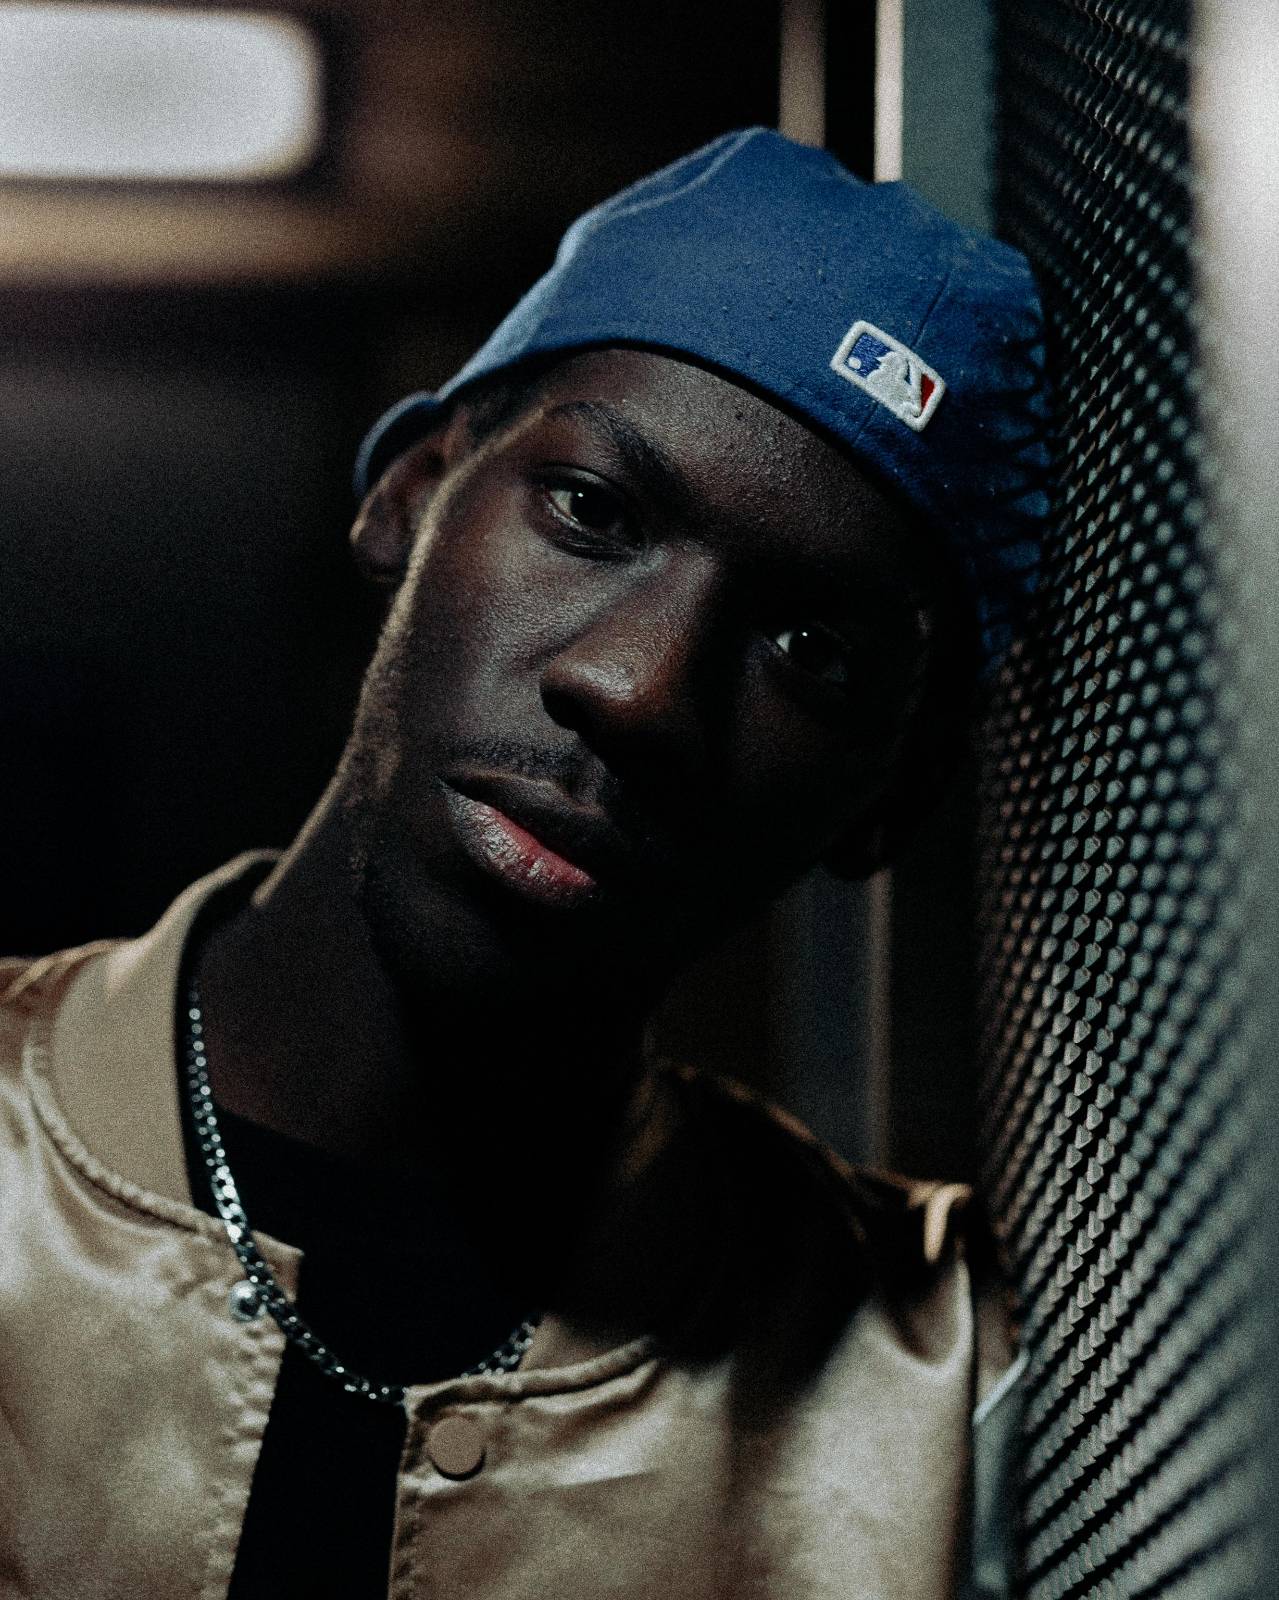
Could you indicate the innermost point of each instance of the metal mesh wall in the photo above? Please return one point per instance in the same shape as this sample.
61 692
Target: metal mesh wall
1117 1135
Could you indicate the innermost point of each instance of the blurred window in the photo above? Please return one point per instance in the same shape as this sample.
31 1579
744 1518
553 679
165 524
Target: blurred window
152 94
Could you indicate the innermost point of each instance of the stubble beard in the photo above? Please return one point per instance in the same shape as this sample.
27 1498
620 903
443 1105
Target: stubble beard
377 860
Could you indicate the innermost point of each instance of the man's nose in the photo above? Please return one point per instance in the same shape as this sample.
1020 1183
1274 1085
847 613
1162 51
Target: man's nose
634 679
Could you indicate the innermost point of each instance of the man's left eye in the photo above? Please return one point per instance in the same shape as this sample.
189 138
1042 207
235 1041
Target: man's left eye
817 650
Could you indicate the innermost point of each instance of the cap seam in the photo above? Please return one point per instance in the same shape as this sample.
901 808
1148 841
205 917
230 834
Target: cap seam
747 136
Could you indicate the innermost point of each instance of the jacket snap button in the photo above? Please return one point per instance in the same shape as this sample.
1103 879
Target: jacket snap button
246 1303
456 1447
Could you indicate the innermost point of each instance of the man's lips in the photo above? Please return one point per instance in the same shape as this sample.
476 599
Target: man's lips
519 852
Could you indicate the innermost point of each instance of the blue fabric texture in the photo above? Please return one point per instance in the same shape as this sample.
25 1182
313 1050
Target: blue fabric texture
760 258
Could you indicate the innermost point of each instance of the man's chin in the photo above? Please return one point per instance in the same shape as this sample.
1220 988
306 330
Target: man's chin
441 929
428 935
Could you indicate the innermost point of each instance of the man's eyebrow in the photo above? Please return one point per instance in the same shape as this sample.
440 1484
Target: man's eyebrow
641 455
654 465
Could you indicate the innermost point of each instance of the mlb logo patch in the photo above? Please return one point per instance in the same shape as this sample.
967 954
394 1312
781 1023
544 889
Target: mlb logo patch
889 373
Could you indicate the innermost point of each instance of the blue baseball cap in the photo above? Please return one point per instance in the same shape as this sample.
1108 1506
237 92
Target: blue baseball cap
915 343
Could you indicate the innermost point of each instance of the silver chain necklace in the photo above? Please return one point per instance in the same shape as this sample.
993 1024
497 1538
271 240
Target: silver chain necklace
264 1293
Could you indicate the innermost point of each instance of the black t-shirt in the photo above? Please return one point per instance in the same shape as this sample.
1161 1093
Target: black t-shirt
393 1280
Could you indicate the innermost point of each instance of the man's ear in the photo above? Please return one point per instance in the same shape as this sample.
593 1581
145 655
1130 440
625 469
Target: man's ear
933 746
867 845
924 772
387 522
921 770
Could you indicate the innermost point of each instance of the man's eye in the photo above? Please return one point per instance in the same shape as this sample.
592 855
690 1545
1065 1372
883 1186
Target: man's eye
585 506
818 651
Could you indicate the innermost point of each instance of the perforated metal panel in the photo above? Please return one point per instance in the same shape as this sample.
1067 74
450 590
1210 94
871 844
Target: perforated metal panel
1118 1144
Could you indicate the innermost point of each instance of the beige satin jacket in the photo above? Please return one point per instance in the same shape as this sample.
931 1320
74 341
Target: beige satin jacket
805 1435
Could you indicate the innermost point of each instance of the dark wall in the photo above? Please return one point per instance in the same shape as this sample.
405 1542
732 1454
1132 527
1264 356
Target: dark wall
178 628
183 382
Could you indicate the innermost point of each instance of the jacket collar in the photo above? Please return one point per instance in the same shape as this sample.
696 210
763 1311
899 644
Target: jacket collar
113 1050
112 1059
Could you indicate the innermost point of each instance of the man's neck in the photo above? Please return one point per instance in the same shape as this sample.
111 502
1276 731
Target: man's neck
309 1035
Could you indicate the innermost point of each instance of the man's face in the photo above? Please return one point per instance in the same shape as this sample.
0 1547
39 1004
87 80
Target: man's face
653 654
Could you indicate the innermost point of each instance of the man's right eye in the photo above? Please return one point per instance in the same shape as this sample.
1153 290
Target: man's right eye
588 516
589 508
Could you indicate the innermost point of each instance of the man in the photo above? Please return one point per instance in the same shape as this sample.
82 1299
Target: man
354 1244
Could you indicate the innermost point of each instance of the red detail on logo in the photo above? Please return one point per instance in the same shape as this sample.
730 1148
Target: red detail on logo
926 387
